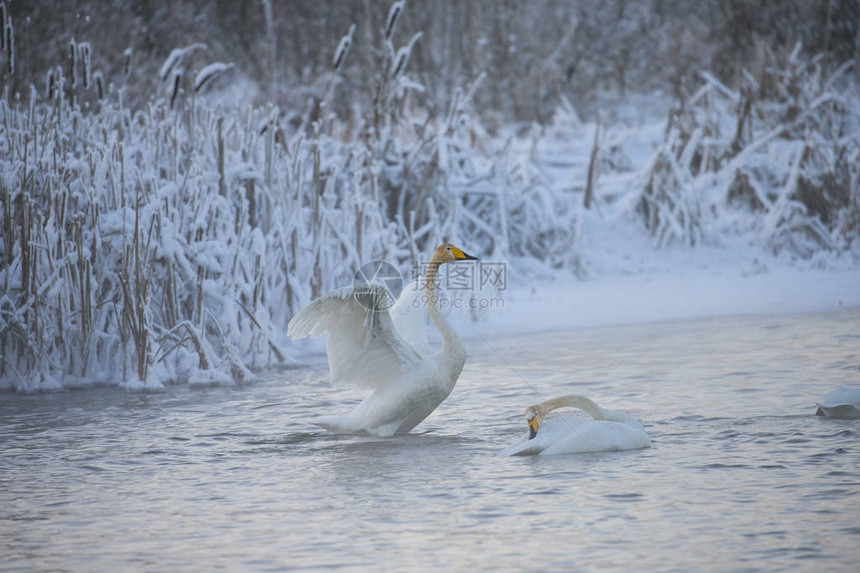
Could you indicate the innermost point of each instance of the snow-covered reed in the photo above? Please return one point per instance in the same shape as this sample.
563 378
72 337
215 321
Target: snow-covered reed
785 147
172 244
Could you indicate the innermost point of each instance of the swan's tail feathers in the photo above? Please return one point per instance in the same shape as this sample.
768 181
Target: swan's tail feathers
344 425
334 424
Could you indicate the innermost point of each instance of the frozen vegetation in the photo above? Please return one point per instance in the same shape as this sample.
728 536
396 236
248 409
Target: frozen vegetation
170 240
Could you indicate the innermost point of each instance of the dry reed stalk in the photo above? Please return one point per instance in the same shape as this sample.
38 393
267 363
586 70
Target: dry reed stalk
592 167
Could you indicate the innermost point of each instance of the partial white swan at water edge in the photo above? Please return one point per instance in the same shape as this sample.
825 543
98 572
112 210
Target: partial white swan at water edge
605 430
386 351
844 402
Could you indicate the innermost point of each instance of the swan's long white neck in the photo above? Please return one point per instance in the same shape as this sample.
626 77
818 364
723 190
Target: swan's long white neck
450 340
571 401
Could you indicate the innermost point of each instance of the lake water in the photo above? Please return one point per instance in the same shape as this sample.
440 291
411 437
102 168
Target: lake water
742 476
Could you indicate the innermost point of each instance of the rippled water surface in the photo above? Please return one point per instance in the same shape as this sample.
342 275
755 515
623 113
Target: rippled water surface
742 475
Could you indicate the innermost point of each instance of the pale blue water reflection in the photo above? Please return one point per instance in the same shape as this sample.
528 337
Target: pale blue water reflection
742 475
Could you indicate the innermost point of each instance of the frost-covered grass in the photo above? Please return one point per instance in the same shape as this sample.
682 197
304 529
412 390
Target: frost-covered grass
172 243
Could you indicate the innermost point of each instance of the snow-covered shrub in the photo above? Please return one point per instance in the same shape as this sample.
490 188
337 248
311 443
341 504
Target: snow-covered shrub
785 148
669 204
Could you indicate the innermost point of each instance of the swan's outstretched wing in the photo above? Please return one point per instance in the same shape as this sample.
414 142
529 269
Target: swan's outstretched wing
408 316
363 345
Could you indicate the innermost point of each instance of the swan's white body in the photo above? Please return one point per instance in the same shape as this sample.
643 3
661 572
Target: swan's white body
386 351
607 430
844 402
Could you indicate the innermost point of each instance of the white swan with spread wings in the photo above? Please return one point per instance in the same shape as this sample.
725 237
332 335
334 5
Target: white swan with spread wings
385 351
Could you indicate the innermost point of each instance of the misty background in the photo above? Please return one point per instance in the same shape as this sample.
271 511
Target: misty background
532 53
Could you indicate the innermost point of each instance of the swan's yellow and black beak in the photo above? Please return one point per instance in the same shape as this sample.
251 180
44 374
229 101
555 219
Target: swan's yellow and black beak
461 256
533 427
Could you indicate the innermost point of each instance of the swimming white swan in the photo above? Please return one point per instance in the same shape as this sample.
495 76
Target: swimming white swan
386 351
606 431
844 402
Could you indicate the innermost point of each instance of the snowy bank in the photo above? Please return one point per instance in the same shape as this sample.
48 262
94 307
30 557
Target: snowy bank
680 295
630 282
